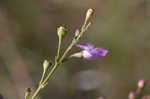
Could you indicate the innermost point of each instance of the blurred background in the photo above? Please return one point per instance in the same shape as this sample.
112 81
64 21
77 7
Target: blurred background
28 36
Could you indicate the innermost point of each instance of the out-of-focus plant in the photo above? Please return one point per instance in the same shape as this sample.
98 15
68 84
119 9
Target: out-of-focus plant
137 94
89 52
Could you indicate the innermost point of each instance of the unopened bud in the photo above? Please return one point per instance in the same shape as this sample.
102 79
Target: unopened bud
28 92
132 95
76 55
46 65
89 14
61 31
141 84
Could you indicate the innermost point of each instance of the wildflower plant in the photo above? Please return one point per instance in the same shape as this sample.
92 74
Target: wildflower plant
138 93
88 52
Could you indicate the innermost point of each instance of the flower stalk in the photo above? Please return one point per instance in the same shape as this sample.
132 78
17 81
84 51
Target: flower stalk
46 65
61 31
58 60
28 93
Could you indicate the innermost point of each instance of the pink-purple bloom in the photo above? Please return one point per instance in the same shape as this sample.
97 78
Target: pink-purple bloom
89 52
141 84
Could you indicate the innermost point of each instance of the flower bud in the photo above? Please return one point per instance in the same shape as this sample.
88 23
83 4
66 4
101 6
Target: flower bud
141 84
28 92
132 95
89 14
77 55
61 31
46 65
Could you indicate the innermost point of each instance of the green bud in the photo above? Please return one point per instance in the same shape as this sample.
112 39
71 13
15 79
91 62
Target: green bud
46 65
28 93
89 13
61 31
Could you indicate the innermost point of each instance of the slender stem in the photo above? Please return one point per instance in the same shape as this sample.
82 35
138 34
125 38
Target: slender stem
65 54
54 68
83 26
43 75
37 92
57 63
58 49
26 96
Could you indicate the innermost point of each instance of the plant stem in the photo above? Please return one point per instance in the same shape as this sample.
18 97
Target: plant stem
37 92
65 54
58 49
57 63
43 75
26 96
52 71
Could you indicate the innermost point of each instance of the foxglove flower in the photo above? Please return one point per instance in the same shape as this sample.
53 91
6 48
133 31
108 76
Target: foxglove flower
89 52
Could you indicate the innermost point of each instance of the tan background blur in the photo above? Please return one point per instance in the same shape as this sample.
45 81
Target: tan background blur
28 36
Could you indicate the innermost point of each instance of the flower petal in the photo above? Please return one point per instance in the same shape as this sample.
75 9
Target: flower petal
89 52
99 52
82 46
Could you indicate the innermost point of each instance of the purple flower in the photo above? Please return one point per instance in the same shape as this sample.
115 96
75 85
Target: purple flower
89 52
